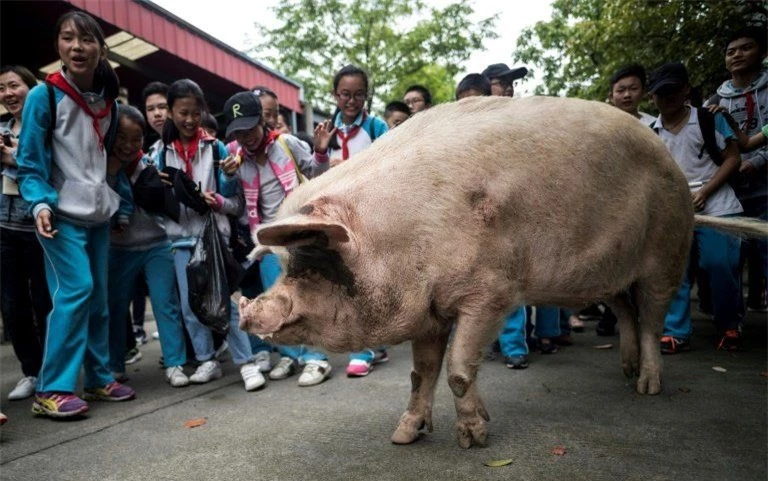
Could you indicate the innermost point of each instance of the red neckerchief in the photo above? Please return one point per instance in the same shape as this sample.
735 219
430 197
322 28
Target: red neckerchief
271 136
346 138
188 154
750 110
131 167
58 81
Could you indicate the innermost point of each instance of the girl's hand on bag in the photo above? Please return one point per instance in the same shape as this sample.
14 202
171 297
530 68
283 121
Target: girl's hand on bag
230 164
324 132
44 225
165 178
210 199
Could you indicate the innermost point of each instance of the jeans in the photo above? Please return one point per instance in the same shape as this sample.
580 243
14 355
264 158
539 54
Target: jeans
718 255
512 338
552 322
201 335
24 299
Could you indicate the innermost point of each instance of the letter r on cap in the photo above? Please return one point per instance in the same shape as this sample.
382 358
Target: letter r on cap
236 111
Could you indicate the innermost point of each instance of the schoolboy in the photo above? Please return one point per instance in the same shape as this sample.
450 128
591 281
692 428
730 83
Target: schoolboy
628 89
155 101
395 113
679 126
417 98
502 78
473 85
745 97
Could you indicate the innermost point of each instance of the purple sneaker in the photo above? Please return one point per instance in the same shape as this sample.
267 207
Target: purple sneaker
58 405
113 392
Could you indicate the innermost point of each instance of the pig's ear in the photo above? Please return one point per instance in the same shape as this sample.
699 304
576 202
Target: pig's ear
300 230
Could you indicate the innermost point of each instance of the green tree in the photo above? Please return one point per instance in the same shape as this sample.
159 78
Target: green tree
390 39
585 41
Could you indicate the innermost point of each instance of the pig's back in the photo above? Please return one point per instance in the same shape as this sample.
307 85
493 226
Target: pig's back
544 188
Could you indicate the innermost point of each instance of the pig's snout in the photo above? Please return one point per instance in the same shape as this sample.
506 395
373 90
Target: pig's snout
265 314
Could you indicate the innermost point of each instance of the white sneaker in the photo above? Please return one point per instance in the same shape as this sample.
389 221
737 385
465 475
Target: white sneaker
206 372
221 351
133 356
285 367
263 360
176 377
24 388
155 335
314 373
252 376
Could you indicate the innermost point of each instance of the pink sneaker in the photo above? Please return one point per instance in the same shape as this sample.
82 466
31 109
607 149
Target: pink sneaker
360 367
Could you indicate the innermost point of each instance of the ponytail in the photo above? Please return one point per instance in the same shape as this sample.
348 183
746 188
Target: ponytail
107 78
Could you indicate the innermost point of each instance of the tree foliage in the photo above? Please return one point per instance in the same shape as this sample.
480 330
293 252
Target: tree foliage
390 39
585 41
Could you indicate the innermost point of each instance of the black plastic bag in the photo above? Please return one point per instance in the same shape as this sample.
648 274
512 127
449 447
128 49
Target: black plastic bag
212 276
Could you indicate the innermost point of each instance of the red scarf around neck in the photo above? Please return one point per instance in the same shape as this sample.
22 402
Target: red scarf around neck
345 138
57 80
188 154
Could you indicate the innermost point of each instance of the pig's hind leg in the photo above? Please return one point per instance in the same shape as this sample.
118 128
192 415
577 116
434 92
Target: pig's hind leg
626 313
652 304
427 362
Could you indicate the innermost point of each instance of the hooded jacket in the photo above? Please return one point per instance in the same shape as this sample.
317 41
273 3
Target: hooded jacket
749 107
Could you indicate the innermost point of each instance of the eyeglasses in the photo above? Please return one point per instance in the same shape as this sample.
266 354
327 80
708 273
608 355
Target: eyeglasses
410 102
504 83
357 95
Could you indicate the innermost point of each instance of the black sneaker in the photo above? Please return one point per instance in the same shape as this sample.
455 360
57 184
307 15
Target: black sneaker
591 313
516 362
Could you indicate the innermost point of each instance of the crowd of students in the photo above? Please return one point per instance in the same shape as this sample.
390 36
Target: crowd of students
82 237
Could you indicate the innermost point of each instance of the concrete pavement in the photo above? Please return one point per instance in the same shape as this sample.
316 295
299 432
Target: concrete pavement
706 425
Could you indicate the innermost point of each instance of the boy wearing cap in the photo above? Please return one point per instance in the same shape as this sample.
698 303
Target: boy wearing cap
269 171
502 78
682 129
745 98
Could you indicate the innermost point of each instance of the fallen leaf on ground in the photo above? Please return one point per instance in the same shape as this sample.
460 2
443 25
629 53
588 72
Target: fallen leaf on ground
558 450
498 463
684 390
719 369
193 423
604 346
764 373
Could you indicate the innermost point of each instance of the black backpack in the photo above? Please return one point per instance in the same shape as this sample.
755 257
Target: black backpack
109 139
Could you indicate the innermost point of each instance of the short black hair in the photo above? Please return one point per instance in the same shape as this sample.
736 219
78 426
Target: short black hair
758 34
352 71
474 81
153 88
396 106
209 121
133 114
631 70
422 90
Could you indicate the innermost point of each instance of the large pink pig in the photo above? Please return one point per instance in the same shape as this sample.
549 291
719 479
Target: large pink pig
471 209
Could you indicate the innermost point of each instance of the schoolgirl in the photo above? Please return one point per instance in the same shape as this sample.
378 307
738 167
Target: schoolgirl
62 160
142 247
190 149
269 168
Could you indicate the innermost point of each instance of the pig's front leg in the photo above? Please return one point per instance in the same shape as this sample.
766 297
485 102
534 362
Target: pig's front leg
464 358
427 361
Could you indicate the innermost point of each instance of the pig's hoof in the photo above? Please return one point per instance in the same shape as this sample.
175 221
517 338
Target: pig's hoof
649 383
472 432
630 370
409 427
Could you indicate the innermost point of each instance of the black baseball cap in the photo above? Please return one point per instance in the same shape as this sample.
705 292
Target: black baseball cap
498 70
242 112
668 75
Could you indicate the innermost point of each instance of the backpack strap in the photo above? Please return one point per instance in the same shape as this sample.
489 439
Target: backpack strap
109 139
288 151
52 109
707 126
371 129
